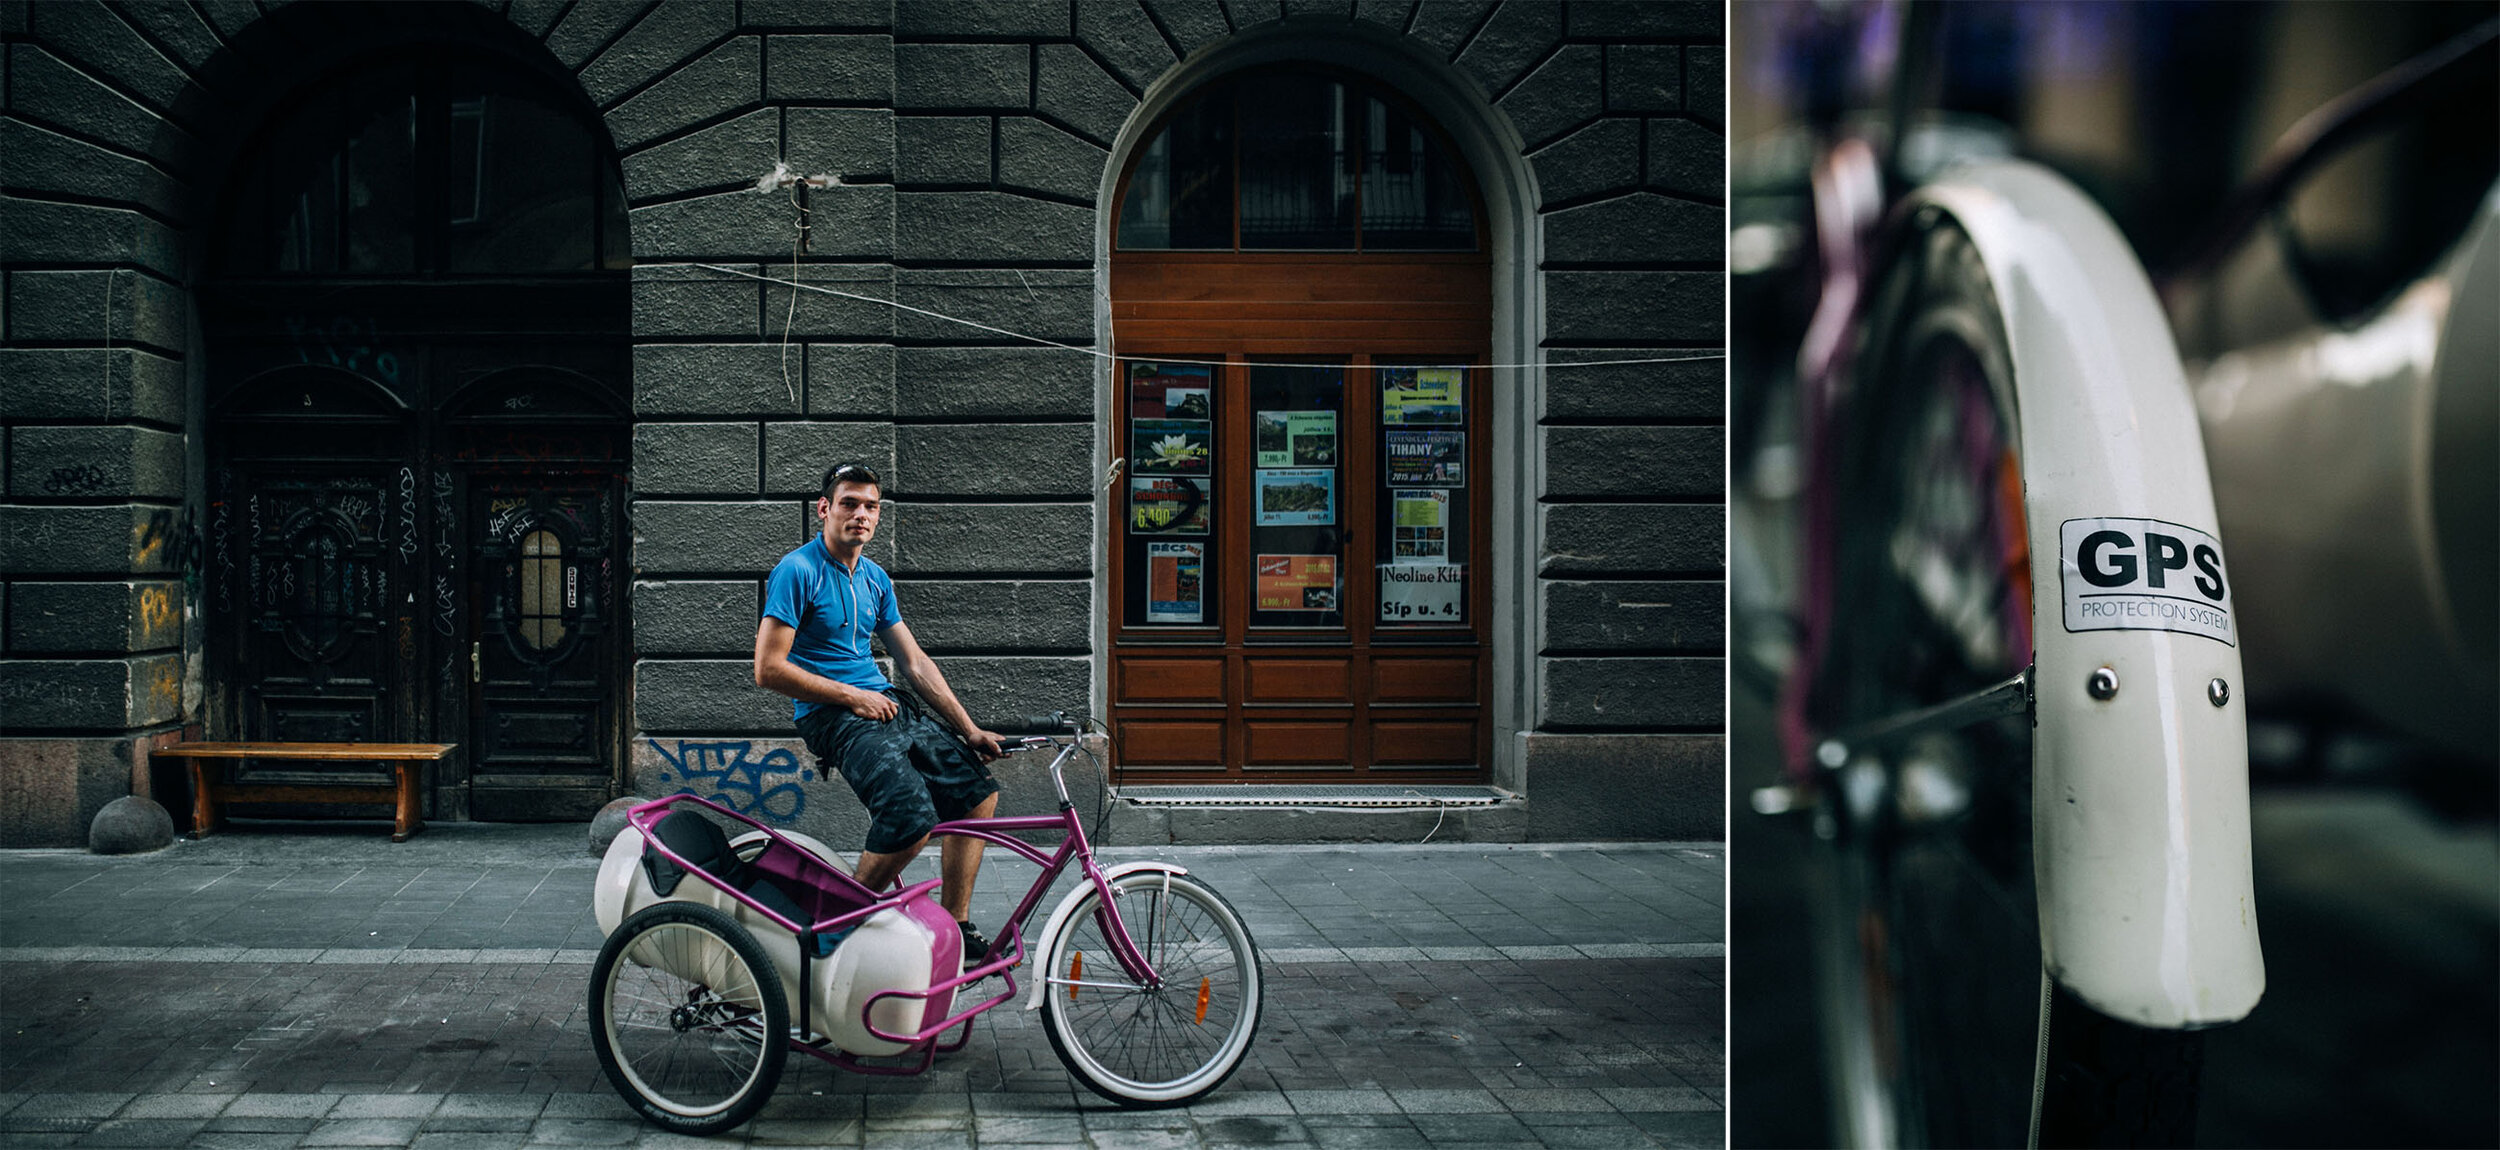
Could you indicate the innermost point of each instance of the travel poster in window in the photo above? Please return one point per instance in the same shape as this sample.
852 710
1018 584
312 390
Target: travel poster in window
1297 439
1427 458
1297 583
1170 391
1169 505
1313 435
1171 447
1275 446
1176 582
1412 396
1297 497
1420 526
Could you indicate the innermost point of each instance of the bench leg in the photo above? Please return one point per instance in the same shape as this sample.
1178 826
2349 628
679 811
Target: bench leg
405 822
203 799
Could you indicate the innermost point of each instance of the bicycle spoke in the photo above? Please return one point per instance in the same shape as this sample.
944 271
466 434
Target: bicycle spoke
1090 984
721 1053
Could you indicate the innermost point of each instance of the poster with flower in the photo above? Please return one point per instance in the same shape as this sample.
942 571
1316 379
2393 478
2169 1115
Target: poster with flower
1171 447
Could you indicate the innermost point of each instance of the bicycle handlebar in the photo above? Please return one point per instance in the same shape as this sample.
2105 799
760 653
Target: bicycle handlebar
1054 723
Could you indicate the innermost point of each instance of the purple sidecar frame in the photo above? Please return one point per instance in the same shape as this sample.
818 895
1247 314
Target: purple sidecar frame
838 901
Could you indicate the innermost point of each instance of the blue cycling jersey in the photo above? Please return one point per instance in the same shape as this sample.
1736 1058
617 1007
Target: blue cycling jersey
834 612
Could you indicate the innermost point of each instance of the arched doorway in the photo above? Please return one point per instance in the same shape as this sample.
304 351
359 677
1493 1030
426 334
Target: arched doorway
416 330
1302 310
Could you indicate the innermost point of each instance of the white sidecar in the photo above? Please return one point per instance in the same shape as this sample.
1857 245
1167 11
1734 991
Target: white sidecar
900 948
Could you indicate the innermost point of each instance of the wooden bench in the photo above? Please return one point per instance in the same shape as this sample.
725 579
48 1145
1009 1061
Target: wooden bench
210 794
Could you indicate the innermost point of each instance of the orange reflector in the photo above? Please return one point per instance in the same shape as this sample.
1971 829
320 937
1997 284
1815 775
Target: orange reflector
1076 970
1203 986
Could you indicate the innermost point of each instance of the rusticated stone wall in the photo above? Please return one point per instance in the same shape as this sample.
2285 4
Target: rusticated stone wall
971 139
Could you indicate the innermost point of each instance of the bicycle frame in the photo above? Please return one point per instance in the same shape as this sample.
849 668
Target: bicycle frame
1132 960
1004 957
2140 799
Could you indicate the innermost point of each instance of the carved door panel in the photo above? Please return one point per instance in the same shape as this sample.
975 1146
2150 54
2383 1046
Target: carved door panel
314 583
544 645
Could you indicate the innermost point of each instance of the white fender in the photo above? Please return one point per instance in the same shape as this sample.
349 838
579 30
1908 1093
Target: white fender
1066 907
2139 802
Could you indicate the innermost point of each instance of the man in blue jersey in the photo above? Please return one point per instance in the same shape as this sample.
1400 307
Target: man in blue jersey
821 605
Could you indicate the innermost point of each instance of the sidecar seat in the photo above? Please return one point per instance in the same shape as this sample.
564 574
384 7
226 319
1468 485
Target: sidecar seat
698 841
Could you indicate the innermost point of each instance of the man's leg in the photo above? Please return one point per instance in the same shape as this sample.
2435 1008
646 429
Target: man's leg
874 758
959 863
877 871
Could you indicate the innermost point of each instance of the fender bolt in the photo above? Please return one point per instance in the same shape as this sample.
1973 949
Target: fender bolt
2103 684
2218 692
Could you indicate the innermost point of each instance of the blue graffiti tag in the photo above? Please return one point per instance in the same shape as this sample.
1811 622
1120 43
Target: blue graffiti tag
737 781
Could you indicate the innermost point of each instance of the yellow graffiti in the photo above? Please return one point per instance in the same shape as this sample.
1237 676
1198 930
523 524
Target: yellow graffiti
165 681
156 608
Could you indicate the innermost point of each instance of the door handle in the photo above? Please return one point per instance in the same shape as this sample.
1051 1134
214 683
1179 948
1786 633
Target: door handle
477 662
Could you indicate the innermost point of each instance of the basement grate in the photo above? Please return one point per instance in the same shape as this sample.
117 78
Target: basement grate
1316 795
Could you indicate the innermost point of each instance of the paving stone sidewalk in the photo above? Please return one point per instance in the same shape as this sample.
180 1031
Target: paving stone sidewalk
303 988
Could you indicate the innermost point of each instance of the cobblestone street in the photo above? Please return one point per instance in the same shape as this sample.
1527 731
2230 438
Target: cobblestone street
309 988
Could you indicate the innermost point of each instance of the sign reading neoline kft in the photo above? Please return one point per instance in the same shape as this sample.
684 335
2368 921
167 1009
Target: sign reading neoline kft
2142 575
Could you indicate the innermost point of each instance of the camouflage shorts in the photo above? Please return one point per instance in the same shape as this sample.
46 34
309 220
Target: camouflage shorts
909 771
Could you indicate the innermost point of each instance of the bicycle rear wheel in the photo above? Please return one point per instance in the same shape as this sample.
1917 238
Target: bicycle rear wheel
1935 994
1169 1043
689 1020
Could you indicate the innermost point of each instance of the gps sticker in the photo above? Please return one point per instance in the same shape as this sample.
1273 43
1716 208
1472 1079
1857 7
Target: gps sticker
2143 575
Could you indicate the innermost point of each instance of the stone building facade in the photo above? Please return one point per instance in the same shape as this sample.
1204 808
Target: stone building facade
299 439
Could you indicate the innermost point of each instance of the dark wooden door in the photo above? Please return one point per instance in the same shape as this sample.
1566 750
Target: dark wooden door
544 655
364 574
312 563
413 259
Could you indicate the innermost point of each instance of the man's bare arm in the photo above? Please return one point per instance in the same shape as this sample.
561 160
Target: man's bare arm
776 673
916 667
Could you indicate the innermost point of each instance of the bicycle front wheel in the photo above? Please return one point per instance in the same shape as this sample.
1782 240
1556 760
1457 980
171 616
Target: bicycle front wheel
1158 1044
688 1018
1947 1033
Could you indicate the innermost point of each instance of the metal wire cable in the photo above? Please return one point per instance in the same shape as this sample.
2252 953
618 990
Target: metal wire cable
898 305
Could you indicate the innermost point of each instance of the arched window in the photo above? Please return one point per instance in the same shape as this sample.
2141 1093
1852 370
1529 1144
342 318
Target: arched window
1301 302
1296 161
409 169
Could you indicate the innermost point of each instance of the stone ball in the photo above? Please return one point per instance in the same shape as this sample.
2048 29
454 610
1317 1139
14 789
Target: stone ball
610 820
130 825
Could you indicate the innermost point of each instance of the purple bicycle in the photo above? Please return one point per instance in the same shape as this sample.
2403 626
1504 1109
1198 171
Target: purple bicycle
1148 982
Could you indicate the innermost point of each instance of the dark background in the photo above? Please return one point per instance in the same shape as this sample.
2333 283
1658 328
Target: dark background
2377 867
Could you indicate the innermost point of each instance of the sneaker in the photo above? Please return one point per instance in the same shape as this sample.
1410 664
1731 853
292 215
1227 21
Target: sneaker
976 944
